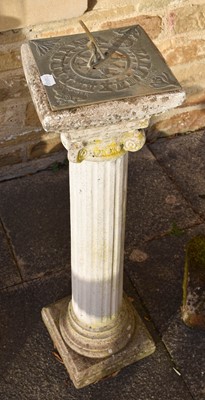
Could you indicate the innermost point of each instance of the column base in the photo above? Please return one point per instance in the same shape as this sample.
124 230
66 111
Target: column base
101 341
83 370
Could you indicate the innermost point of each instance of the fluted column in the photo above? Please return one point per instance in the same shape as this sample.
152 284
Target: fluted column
97 310
98 201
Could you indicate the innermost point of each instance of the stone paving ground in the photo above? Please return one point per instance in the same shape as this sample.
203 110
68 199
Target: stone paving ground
165 207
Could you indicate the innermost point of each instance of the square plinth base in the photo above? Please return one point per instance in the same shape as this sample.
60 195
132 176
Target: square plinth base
83 370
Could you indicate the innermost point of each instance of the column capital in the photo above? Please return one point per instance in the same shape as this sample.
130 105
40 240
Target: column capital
102 149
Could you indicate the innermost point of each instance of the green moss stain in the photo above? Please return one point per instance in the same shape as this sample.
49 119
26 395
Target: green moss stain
194 267
175 230
185 282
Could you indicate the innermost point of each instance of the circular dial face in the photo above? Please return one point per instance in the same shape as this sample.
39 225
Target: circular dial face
112 68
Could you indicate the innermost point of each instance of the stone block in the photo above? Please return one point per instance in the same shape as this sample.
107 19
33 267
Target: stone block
106 4
153 5
17 14
189 18
152 25
44 146
193 74
11 120
181 122
180 50
9 157
195 95
8 140
13 85
192 80
12 36
10 59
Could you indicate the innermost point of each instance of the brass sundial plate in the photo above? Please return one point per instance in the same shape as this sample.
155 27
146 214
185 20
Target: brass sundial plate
133 67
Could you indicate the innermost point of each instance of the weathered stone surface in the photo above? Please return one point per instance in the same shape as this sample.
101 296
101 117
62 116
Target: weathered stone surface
11 119
10 157
181 341
189 18
186 121
9 138
148 212
183 159
180 50
190 76
45 146
10 59
39 226
105 4
9 274
12 36
13 86
153 5
152 25
195 95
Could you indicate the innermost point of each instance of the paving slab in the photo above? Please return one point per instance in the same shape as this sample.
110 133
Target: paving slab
21 314
30 371
156 270
183 158
153 202
9 273
35 212
187 347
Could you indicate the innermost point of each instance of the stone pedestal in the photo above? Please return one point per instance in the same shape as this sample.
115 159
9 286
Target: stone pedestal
97 331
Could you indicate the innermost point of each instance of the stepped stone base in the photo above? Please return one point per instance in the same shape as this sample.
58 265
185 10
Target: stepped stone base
83 370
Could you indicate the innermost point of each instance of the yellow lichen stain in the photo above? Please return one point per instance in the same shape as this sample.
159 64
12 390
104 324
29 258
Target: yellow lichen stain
143 123
110 150
98 149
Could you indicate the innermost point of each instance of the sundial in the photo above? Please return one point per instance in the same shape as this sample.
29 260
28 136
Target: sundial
90 68
97 331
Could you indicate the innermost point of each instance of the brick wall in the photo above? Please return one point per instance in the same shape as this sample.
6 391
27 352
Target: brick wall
176 26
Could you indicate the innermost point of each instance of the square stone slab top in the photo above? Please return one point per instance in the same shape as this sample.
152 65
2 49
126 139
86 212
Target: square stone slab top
83 370
119 93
